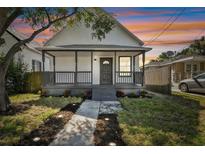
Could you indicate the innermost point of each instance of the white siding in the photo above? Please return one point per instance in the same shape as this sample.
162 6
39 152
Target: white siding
66 62
80 34
27 54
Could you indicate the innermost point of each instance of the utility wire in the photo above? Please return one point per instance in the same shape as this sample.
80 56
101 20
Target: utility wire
164 25
168 26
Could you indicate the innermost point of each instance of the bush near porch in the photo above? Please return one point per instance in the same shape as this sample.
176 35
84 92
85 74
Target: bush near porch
29 111
169 120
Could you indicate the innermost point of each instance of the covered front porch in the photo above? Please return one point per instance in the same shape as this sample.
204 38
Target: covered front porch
87 66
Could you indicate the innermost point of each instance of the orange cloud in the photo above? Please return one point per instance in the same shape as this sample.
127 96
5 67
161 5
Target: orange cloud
178 33
134 13
169 42
156 26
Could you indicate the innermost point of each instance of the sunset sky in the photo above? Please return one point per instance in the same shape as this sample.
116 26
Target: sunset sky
150 23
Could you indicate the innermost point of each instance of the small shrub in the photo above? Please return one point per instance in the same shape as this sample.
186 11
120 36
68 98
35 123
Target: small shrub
44 92
132 95
143 93
39 92
16 76
88 94
66 93
82 95
120 94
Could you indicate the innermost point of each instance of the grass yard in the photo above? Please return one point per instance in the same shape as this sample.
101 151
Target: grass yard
176 120
30 110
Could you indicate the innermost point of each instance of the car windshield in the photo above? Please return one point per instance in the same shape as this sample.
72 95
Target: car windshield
202 76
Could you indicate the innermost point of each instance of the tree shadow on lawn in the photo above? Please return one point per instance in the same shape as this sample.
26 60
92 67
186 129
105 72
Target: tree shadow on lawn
161 121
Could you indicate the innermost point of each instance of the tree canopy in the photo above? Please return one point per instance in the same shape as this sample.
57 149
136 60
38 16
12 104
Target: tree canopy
195 48
41 19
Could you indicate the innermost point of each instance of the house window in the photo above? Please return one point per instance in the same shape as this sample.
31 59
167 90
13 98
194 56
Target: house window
125 66
188 67
194 67
36 65
202 66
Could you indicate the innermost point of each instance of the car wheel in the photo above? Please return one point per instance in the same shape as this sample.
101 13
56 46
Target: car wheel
184 87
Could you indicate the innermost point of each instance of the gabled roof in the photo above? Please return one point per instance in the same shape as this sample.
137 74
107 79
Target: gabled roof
123 28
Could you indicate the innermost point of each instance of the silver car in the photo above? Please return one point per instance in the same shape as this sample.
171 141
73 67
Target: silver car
195 84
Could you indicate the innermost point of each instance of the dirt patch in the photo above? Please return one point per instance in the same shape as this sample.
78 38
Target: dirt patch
107 131
46 132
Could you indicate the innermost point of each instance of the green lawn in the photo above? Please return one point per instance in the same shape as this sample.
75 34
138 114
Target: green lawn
176 120
32 110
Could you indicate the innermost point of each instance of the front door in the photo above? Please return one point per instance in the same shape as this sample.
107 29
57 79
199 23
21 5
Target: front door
105 70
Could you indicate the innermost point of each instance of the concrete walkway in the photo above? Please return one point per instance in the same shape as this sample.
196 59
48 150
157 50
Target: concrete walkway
79 130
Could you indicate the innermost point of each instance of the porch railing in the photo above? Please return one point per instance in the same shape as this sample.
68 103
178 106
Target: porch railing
85 77
130 77
67 77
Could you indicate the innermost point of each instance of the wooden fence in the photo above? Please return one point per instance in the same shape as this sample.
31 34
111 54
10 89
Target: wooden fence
158 80
34 81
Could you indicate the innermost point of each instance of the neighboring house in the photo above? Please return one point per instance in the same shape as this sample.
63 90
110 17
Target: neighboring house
28 54
83 61
182 67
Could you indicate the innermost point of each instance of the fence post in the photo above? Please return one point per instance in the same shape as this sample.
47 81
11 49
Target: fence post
143 62
76 66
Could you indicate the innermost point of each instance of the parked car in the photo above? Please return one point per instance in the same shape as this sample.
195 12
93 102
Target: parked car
195 84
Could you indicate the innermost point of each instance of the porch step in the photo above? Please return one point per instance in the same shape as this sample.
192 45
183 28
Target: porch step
104 93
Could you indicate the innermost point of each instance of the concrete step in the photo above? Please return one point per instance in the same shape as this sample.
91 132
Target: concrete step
105 93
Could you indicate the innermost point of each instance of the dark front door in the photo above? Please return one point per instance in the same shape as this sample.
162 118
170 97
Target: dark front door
105 70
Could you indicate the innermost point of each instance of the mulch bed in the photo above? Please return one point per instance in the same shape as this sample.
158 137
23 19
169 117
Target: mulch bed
47 131
108 131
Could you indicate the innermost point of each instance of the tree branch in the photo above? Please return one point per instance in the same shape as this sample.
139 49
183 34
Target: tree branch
48 16
9 20
16 47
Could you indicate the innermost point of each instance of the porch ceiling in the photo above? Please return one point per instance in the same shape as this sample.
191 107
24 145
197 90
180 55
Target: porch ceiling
91 47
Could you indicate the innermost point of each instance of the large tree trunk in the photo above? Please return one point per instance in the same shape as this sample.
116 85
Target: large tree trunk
4 99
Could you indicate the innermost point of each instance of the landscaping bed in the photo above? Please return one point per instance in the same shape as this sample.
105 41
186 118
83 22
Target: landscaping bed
30 112
47 131
107 131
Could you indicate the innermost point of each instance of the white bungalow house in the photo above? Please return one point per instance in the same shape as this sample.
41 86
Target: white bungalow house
28 54
82 62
